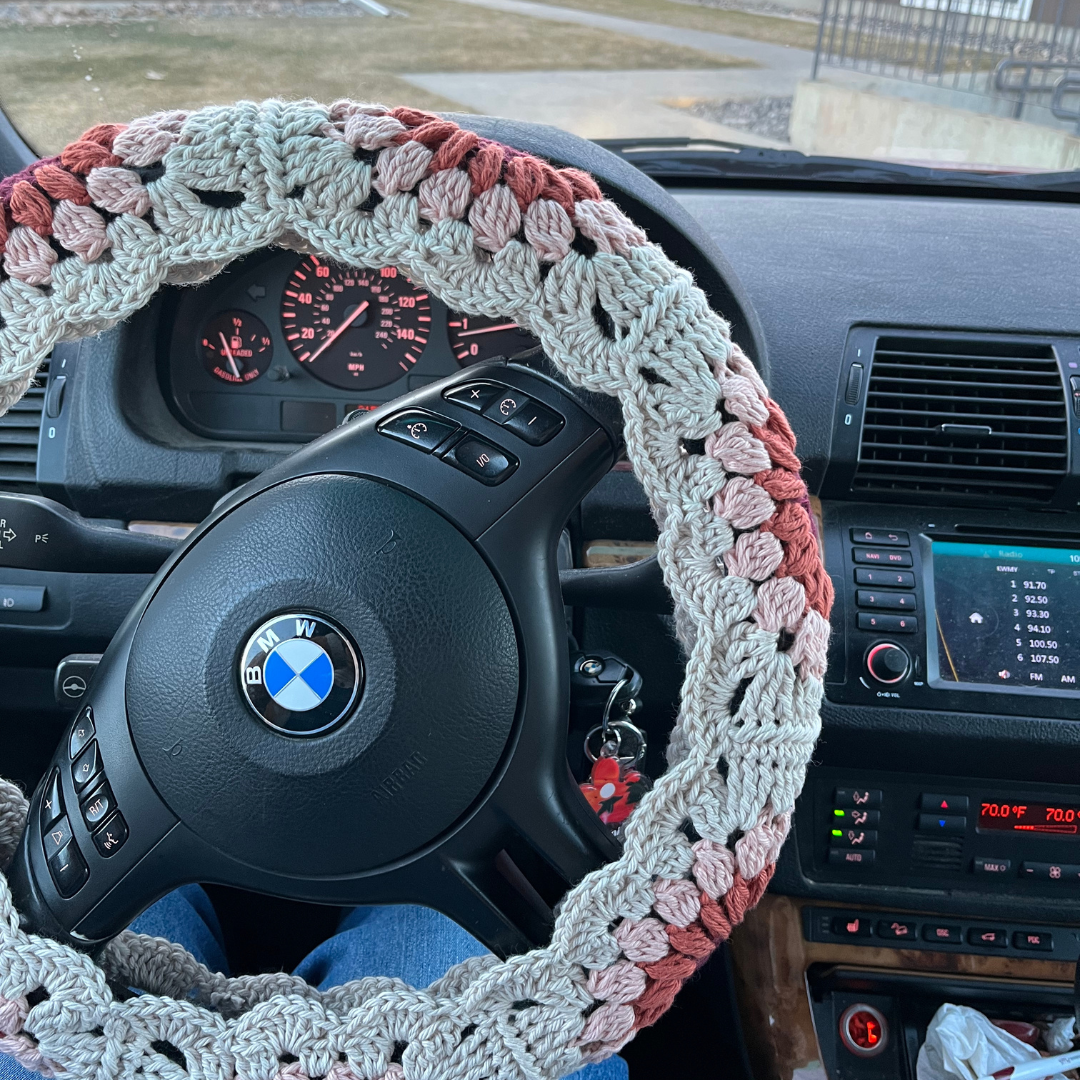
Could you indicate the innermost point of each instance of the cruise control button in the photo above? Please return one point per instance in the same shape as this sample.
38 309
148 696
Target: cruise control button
949 935
1065 873
987 939
56 837
110 838
86 767
505 405
535 423
887 624
1033 940
870 557
860 798
842 926
418 428
850 856
98 806
896 579
953 824
896 930
843 819
82 731
944 804
853 838
890 601
52 800
994 867
881 537
473 396
482 460
69 871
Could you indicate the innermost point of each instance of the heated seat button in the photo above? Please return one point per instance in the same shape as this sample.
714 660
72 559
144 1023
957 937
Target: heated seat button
52 800
952 824
942 933
87 766
870 557
880 537
418 428
110 838
853 838
943 804
82 731
56 837
896 930
1033 940
842 926
843 819
474 396
860 798
97 806
69 871
535 423
986 938
983 864
483 460
850 856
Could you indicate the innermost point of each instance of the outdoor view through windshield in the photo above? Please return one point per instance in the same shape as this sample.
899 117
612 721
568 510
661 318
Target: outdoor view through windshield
973 84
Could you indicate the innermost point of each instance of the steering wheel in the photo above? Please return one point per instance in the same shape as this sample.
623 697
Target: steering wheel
350 684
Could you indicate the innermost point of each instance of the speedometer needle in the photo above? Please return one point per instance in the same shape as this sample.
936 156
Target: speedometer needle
228 353
337 333
489 329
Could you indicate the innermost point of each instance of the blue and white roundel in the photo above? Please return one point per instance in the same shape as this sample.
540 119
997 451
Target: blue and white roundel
298 674
301 674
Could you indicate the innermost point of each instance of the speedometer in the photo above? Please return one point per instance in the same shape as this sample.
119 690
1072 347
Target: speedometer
356 329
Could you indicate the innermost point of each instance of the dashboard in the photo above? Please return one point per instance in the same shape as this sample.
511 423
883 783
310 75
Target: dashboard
282 347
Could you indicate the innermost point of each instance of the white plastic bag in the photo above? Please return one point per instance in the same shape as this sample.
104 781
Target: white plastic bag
962 1044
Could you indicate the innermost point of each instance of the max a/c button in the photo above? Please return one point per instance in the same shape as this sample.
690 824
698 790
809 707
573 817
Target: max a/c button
483 460
992 867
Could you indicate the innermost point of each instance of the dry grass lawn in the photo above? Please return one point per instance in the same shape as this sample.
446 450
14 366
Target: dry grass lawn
57 81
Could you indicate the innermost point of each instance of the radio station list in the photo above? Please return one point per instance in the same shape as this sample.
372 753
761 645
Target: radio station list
1008 616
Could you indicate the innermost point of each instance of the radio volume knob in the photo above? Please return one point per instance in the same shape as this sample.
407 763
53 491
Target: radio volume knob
887 662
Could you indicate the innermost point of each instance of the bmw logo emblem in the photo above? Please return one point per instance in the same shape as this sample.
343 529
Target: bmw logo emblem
301 674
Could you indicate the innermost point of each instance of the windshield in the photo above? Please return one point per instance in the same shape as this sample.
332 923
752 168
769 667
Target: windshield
991 85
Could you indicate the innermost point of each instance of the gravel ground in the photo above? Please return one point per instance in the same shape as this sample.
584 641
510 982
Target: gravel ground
765 116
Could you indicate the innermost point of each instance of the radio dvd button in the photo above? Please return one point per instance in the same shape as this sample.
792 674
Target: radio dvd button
870 557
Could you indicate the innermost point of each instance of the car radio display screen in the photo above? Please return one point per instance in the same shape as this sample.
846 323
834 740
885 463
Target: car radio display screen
1007 616
1033 817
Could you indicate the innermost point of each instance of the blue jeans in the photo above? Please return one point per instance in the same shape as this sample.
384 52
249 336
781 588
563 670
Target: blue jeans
411 943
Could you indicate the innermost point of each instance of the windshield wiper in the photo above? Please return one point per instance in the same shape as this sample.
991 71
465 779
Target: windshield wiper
692 162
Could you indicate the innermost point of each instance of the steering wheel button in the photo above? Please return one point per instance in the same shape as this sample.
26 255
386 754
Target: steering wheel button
418 428
56 837
112 836
483 460
69 871
86 767
52 801
81 732
504 406
474 396
535 423
97 807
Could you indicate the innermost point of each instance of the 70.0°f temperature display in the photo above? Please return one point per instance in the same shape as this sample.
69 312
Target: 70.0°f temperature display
1034 817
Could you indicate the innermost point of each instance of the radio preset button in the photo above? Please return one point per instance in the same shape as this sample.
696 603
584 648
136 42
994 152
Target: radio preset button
881 537
895 579
889 601
953 824
871 557
887 624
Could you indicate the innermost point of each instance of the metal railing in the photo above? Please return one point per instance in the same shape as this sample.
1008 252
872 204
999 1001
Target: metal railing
1019 50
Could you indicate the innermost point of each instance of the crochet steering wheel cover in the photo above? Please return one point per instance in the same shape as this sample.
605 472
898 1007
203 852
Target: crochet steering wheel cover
88 237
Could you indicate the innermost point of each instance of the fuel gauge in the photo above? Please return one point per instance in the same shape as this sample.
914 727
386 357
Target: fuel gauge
236 347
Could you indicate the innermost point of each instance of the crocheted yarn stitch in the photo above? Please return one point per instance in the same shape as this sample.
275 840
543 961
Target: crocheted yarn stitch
86 239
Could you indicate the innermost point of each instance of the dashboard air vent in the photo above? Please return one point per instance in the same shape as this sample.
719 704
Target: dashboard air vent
19 429
969 419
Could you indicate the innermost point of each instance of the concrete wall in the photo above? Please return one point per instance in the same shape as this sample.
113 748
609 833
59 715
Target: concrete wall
837 120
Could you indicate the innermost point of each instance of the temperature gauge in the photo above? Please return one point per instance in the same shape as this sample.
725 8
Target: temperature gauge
236 347
476 337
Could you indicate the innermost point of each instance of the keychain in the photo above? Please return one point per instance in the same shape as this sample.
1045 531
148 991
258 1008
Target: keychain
615 785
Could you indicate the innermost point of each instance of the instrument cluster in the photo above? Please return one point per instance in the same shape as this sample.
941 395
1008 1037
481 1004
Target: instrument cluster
282 347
